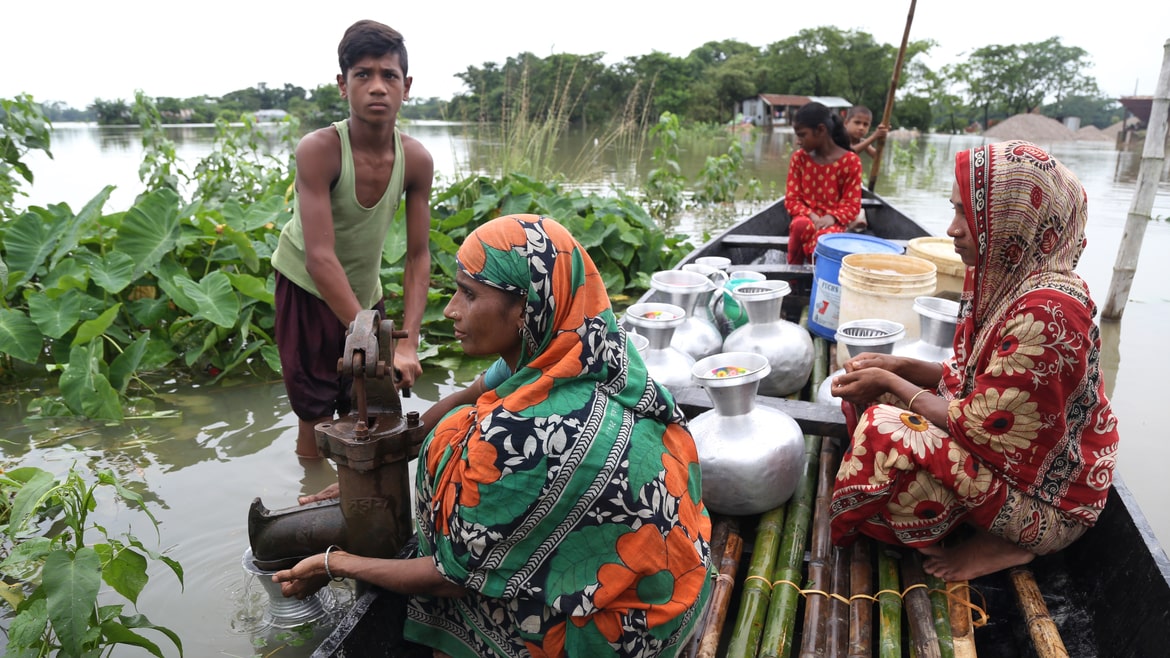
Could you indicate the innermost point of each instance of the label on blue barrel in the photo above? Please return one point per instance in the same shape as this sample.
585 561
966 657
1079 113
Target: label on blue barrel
828 305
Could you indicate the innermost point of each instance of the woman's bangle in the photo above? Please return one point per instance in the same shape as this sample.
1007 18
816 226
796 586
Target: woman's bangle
336 579
909 406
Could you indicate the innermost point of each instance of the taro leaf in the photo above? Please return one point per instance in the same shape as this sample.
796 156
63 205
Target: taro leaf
272 210
3 278
85 389
28 628
72 227
28 498
443 242
272 357
71 583
150 229
28 242
124 570
213 298
168 272
394 248
66 276
19 336
91 329
252 286
243 244
126 364
113 273
516 204
55 317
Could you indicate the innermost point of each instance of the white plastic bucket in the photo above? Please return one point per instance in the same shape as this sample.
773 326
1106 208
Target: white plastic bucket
951 270
884 286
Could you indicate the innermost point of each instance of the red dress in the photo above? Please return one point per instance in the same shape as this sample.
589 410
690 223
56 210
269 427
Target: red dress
829 189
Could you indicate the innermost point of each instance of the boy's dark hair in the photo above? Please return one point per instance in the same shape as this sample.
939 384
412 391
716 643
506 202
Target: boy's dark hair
811 115
368 38
857 109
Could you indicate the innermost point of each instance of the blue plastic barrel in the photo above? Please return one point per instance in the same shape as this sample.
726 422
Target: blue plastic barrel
824 309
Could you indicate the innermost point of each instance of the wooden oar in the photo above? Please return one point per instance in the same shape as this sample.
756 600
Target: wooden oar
721 595
1045 636
881 143
757 587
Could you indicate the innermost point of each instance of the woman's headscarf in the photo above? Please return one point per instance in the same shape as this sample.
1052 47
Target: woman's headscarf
1027 215
575 482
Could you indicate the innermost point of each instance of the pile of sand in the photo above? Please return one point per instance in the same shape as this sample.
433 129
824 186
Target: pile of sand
1031 127
1091 134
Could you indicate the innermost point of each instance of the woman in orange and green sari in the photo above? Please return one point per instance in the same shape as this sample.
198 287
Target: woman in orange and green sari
559 510
1014 437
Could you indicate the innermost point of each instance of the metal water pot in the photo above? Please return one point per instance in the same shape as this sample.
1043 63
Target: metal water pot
938 319
697 335
751 457
667 365
788 346
855 337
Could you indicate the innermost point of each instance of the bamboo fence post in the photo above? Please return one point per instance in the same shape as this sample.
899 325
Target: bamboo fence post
757 587
939 608
1045 636
889 604
838 608
861 610
1153 154
776 641
919 614
721 595
718 541
880 144
813 640
962 629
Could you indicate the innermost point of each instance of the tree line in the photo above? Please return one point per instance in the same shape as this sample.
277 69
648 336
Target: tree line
707 85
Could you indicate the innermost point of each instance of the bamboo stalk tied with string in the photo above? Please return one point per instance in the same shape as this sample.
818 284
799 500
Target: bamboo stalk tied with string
780 624
838 608
962 627
919 614
1042 629
861 610
721 594
757 586
814 639
940 612
889 604
718 541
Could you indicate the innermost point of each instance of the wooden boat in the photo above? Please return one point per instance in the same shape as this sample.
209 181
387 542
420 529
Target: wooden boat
1106 595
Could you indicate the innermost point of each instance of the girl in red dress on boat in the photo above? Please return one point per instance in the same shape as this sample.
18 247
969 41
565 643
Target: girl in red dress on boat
824 181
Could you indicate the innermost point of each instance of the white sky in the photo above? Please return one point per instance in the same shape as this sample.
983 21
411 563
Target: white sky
76 51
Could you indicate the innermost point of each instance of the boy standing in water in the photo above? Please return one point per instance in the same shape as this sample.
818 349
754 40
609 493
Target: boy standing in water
350 178
857 123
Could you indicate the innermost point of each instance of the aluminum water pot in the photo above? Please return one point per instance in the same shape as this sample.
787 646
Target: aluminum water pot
788 346
690 290
751 457
938 319
667 365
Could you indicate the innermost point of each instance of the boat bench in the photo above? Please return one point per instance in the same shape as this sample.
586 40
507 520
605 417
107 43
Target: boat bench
813 418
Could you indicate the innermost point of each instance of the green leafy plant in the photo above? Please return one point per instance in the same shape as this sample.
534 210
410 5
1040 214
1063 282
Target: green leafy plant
23 128
665 185
56 559
719 179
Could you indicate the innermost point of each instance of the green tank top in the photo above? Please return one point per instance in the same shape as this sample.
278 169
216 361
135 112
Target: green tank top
358 232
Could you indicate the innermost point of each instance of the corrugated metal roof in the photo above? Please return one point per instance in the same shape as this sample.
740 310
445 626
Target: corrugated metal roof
794 99
831 101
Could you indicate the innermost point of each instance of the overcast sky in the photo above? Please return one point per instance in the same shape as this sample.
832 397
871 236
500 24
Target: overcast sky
76 51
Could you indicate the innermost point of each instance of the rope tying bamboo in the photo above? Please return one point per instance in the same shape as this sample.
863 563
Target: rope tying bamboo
949 592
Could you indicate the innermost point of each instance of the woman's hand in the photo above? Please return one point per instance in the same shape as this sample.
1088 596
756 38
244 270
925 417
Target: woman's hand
886 362
305 578
864 385
328 493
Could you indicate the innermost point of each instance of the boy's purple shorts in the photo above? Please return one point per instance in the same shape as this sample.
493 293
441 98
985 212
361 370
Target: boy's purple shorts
310 339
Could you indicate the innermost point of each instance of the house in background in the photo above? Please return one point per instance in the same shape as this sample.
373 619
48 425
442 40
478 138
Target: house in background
773 110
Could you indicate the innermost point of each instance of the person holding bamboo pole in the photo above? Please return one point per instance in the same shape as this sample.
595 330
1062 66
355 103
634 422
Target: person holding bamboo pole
1014 435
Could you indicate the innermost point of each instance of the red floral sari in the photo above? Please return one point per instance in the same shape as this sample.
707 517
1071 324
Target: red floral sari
1031 440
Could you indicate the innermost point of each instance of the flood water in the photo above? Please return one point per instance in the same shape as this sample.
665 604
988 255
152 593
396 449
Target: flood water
232 443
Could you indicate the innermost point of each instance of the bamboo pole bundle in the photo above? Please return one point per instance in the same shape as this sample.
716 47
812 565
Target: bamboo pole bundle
919 614
776 641
757 586
861 610
721 595
889 605
1045 636
838 608
718 541
939 610
962 629
814 639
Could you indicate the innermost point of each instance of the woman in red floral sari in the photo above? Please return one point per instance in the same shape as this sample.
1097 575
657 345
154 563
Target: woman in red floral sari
558 501
1014 435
